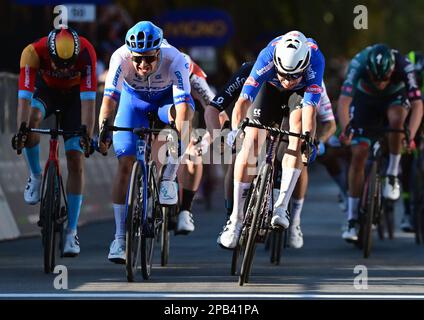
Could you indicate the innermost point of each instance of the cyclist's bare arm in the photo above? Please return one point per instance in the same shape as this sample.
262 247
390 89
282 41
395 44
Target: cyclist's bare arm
326 130
107 111
24 111
343 111
212 119
88 115
240 111
416 117
184 115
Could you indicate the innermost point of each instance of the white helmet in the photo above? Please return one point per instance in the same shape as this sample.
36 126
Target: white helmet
292 53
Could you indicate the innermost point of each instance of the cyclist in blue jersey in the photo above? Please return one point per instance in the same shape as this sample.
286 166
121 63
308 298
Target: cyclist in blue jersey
146 75
289 71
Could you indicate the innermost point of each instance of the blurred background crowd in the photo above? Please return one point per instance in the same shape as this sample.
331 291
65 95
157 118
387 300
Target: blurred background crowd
245 27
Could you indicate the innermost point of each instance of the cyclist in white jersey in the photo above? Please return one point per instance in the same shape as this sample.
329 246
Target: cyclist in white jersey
146 75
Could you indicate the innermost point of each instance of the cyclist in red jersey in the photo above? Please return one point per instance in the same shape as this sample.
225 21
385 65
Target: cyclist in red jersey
58 72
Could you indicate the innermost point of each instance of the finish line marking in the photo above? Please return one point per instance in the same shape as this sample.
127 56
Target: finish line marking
208 296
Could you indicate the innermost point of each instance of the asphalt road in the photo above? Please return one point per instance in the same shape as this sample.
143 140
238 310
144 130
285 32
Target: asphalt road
199 268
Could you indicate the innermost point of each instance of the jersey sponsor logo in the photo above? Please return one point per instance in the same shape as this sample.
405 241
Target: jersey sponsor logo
116 77
27 77
88 81
180 83
246 96
250 81
412 82
218 101
182 98
265 69
312 45
310 73
256 112
203 92
237 84
314 89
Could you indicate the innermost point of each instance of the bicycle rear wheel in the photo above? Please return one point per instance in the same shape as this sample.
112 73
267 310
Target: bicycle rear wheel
258 203
133 221
372 205
150 226
50 204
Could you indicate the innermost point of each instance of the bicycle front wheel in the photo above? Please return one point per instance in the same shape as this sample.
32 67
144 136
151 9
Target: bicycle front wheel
372 206
259 203
150 225
133 221
50 204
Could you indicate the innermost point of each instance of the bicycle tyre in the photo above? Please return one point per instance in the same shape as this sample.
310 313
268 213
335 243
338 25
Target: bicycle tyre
259 193
277 244
149 230
239 249
133 222
371 207
49 204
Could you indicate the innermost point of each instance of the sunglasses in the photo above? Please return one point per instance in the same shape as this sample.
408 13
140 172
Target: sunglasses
148 58
289 76
375 79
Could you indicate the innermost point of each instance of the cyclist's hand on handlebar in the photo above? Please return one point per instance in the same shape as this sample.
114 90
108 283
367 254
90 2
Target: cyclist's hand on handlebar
105 138
346 136
231 137
85 142
20 138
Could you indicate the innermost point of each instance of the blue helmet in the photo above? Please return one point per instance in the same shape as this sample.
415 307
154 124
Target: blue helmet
144 36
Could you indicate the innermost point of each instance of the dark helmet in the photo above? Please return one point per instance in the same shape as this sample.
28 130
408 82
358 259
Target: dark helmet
417 58
64 47
381 62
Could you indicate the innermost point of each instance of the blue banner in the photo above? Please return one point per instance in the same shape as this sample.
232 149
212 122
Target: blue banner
196 27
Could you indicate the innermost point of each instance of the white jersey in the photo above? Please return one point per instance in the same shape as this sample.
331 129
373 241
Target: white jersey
170 77
324 108
200 89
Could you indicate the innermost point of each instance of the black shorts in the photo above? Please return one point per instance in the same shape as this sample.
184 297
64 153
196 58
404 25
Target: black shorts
273 104
224 100
371 111
49 100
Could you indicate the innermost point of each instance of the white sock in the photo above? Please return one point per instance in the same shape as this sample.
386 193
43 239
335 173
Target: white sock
120 215
241 189
352 208
296 210
393 168
172 165
288 182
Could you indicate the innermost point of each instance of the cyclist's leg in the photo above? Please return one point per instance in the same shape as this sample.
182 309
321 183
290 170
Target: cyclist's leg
71 120
266 110
131 113
292 160
39 110
298 197
365 114
396 114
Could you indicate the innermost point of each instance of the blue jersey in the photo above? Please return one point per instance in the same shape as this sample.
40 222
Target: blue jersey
264 70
